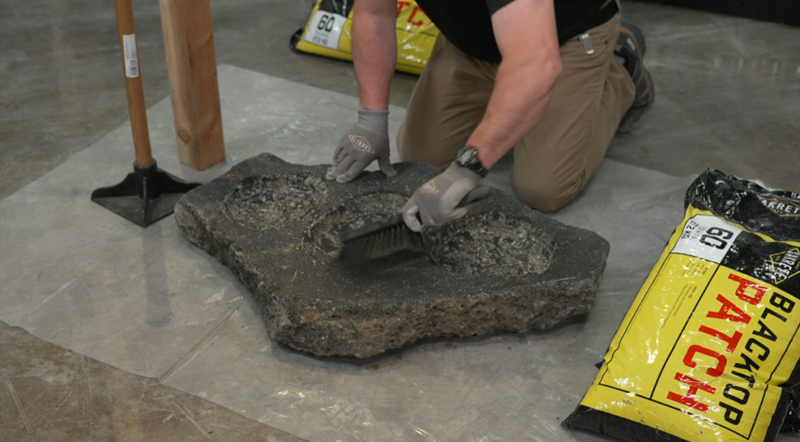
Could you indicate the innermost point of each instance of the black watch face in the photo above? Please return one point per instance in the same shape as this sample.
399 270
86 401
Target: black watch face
466 155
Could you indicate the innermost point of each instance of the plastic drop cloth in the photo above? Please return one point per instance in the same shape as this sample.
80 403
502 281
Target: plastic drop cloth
147 301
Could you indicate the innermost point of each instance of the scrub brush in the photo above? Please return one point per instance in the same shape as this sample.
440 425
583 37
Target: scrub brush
390 236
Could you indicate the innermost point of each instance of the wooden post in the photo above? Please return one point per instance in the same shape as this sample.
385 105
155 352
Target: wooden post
133 81
192 66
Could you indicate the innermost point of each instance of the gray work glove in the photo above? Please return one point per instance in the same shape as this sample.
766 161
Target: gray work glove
436 200
365 142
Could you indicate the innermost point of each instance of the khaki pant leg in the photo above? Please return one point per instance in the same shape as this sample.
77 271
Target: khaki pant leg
447 104
555 160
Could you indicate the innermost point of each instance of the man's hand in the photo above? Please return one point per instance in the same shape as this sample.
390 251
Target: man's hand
374 57
436 201
365 142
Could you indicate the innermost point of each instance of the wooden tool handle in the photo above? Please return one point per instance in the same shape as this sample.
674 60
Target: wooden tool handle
133 81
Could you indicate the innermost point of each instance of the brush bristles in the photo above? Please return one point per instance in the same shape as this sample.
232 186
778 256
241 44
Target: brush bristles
382 244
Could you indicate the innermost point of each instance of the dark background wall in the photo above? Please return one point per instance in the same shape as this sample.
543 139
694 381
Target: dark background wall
779 11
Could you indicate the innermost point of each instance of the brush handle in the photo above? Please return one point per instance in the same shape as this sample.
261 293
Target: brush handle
478 194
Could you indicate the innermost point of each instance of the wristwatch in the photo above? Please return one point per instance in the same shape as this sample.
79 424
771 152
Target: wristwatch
468 157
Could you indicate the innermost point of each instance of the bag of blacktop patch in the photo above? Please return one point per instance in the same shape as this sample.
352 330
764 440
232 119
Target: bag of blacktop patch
329 26
709 349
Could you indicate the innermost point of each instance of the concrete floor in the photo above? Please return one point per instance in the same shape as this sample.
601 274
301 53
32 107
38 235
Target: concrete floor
50 393
61 89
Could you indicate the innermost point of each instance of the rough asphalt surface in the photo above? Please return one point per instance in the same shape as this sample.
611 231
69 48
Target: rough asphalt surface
502 268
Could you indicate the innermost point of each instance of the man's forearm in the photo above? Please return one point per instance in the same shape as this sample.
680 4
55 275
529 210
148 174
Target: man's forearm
521 94
374 51
526 36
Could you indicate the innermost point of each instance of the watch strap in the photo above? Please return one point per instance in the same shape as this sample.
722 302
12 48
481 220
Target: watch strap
468 157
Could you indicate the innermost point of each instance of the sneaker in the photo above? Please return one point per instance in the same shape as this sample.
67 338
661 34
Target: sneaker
632 48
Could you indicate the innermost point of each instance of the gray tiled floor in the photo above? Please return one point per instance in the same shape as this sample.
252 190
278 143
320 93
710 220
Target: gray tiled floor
62 86
728 97
737 81
50 393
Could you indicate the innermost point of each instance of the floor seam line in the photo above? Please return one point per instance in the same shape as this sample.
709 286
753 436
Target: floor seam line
200 344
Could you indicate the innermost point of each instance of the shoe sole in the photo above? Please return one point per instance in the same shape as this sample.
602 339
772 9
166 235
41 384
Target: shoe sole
628 128
634 33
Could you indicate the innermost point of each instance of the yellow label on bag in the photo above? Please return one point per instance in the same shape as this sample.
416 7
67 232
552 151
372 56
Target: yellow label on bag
329 29
704 348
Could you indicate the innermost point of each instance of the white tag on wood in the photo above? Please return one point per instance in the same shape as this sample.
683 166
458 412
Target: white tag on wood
130 56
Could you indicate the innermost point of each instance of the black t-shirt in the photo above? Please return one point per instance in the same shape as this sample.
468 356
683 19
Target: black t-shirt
468 24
